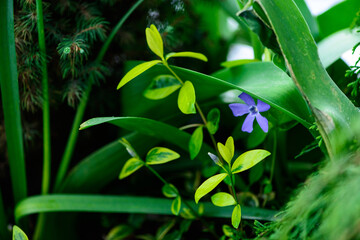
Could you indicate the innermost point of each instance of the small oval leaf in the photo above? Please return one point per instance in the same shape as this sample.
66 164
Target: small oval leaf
196 55
213 119
195 142
176 206
18 234
208 185
248 160
186 99
154 41
136 71
223 199
161 87
236 216
230 145
170 191
130 167
159 155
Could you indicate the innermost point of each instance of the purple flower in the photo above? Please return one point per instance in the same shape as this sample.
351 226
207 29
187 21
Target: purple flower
253 111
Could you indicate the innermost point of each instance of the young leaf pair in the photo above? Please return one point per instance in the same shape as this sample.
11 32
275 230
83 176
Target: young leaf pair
242 163
157 155
186 98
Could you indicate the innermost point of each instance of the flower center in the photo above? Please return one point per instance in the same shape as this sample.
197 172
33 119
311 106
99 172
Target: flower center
253 110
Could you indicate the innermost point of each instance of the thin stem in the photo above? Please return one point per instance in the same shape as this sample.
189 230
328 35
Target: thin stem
11 102
46 105
65 161
186 203
273 156
199 111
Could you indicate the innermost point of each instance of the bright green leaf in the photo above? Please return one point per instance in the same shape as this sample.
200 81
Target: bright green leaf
119 232
187 54
130 167
223 199
225 152
161 87
195 142
170 191
236 216
186 99
159 155
154 41
18 234
176 206
228 231
213 119
209 185
248 160
230 145
136 71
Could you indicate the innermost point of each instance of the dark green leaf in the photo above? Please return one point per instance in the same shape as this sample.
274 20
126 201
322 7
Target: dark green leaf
170 191
213 119
195 142
119 232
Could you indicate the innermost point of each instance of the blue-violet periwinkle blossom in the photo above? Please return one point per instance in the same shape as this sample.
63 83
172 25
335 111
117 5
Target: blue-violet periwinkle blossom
253 112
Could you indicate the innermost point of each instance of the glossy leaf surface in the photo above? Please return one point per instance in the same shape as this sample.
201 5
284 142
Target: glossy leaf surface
18 234
130 167
186 99
199 56
209 185
170 191
223 199
161 87
160 155
248 160
236 216
195 142
154 40
176 206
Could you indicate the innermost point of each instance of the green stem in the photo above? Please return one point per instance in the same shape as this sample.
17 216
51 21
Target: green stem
65 161
273 159
4 233
11 102
199 111
191 126
46 105
186 203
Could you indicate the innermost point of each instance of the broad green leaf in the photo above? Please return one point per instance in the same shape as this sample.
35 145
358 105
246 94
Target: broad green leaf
176 205
213 119
209 185
338 17
136 71
223 199
122 204
236 216
159 155
186 99
332 47
195 142
248 160
119 232
235 63
170 191
187 54
310 19
154 41
328 103
130 167
161 87
18 234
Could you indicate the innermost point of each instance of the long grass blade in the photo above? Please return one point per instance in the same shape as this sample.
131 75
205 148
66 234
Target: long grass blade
46 105
65 161
124 204
10 100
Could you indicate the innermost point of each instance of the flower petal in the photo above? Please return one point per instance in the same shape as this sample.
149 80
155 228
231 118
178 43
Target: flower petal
262 107
263 122
248 123
247 99
239 109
